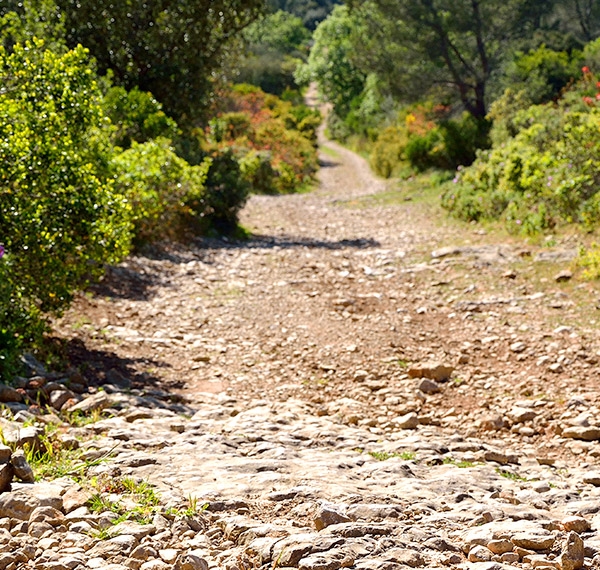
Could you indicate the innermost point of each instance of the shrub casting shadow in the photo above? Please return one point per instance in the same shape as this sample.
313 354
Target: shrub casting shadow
100 368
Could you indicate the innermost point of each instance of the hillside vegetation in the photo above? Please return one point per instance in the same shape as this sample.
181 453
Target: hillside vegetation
501 96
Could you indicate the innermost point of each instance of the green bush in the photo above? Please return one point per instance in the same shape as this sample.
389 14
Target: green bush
589 260
337 128
160 188
303 119
461 139
225 195
137 116
230 126
423 138
543 72
506 117
258 127
257 169
387 155
427 150
272 72
60 216
545 175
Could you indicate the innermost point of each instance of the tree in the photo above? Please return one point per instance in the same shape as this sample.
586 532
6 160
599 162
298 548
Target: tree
452 47
330 61
171 48
275 46
312 12
580 17
281 32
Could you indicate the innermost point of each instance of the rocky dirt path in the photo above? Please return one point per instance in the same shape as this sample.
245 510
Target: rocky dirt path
362 384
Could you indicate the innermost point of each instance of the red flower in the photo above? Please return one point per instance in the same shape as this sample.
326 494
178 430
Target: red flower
585 69
588 101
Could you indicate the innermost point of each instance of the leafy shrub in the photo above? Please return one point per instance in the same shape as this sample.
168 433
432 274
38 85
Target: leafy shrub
591 54
272 72
543 72
306 121
256 167
60 216
387 154
462 138
438 142
589 260
137 116
337 128
546 174
426 151
160 188
230 126
262 127
226 193
505 117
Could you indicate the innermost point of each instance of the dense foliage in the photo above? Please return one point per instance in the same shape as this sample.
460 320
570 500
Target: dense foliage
275 47
161 188
312 12
437 84
60 216
171 48
544 168
274 140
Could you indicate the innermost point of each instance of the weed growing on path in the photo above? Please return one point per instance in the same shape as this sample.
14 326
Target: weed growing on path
384 455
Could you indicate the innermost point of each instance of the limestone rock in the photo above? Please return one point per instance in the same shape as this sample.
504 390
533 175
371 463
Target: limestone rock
9 394
500 546
20 502
58 398
328 515
6 476
98 401
48 515
191 561
586 433
21 437
428 386
572 554
5 453
576 524
592 477
480 554
22 469
433 371
564 275
520 415
407 421
542 540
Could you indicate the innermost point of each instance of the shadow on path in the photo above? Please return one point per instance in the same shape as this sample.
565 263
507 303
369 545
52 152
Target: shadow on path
324 163
136 278
122 282
289 242
100 367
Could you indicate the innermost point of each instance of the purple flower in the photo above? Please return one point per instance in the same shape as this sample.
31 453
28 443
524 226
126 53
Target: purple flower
2 251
